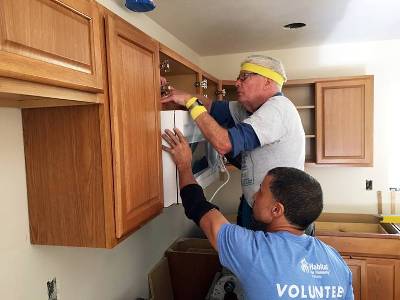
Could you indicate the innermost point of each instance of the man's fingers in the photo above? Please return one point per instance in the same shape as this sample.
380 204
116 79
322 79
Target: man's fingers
180 135
163 80
168 140
166 149
169 97
166 99
172 136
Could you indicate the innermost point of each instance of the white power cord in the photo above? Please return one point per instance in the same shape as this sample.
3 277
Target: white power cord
225 170
221 164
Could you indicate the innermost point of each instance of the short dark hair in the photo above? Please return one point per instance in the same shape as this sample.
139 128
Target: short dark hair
300 194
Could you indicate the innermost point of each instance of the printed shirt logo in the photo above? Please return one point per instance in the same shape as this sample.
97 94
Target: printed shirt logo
311 291
247 169
295 291
316 270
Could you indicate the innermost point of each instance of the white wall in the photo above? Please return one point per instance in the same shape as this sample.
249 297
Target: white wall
147 25
344 187
82 273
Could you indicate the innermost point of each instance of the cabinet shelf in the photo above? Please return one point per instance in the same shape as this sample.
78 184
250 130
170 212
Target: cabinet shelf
305 106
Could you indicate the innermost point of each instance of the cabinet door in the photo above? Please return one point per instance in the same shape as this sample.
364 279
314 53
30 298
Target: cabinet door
344 121
133 64
375 278
52 42
358 270
383 279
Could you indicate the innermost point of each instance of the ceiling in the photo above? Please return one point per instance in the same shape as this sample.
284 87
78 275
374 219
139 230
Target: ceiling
212 27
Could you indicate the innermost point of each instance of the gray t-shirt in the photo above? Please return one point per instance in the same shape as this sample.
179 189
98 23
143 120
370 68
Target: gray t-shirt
278 127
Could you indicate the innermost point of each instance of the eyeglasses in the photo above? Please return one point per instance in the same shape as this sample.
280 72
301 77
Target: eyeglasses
243 76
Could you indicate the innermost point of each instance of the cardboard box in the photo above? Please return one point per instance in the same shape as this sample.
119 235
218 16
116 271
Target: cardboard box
185 272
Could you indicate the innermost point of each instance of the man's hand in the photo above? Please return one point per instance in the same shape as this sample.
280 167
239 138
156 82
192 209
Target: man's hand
177 96
163 80
180 150
212 220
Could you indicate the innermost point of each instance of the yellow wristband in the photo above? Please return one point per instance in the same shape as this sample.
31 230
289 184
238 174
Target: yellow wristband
190 102
197 111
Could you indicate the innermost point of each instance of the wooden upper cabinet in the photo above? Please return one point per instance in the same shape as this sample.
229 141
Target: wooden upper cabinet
344 121
64 175
55 42
133 64
94 171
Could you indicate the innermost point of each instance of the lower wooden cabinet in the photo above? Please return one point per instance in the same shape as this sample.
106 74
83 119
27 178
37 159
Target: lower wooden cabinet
374 260
358 268
94 172
375 278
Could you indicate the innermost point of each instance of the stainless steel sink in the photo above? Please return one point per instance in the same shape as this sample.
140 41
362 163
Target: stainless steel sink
391 228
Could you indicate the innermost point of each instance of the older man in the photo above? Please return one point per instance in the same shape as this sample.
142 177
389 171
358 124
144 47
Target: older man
262 130
281 262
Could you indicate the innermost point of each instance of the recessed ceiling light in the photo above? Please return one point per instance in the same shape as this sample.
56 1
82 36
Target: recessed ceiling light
294 25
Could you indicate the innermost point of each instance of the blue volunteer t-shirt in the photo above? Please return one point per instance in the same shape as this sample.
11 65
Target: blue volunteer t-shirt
282 265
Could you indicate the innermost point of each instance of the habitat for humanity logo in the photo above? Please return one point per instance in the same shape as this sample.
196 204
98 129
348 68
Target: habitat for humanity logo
314 269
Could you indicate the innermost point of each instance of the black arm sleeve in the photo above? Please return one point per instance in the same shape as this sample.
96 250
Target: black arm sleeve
194 202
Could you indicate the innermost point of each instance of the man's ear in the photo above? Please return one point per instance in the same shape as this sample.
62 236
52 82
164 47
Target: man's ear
278 210
267 83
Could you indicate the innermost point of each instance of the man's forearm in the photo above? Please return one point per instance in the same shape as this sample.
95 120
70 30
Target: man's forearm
214 133
186 176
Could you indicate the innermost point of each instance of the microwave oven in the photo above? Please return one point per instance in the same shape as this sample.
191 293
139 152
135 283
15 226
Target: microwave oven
204 157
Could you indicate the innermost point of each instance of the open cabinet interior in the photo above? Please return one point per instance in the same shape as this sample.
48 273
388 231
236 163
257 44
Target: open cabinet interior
229 90
179 76
303 97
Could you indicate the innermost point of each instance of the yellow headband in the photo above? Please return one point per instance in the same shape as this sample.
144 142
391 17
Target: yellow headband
263 71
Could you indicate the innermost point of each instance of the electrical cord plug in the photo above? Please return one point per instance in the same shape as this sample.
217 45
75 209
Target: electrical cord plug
221 165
